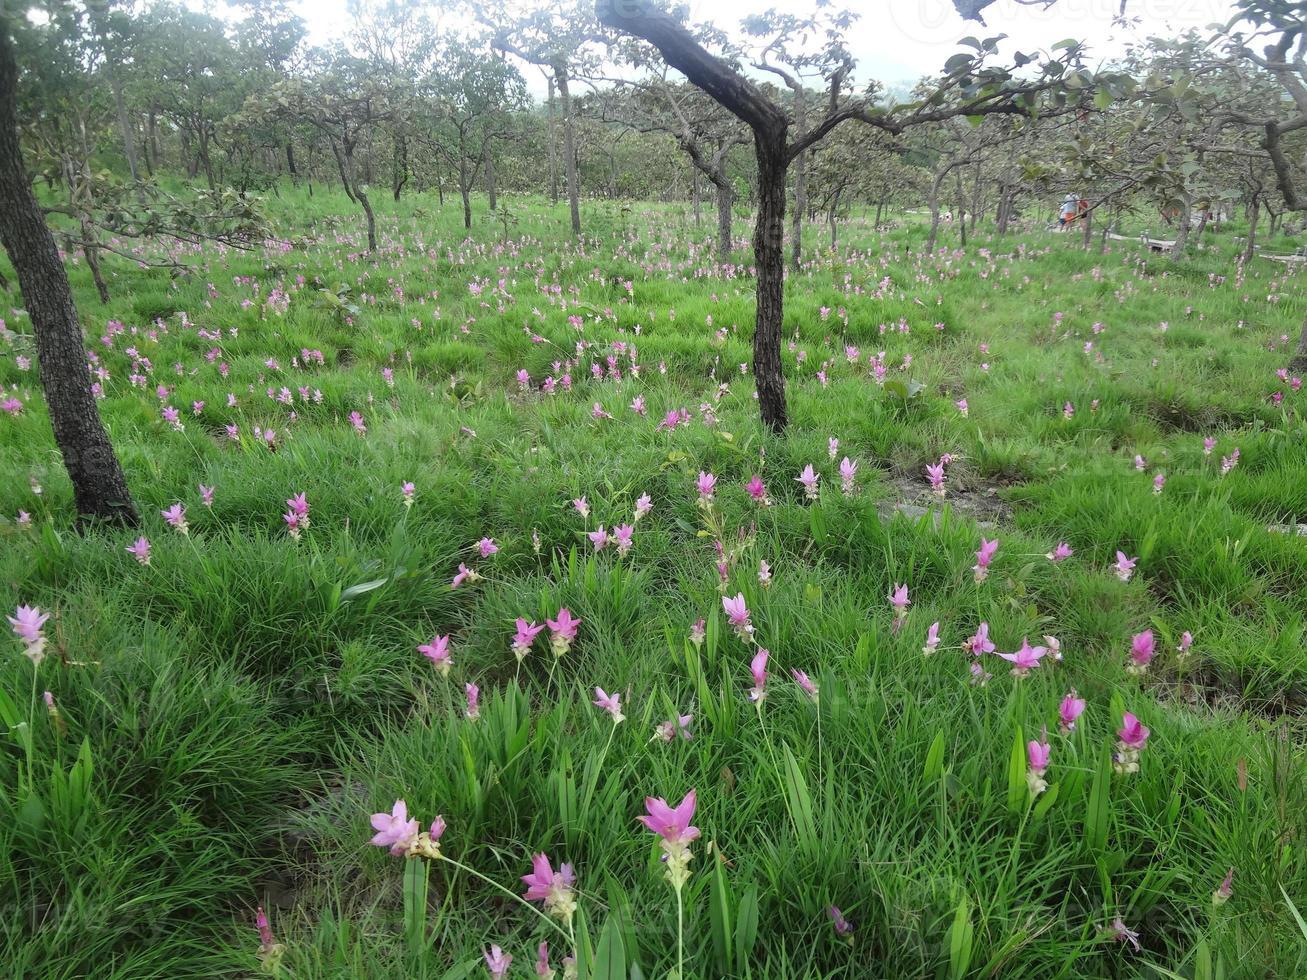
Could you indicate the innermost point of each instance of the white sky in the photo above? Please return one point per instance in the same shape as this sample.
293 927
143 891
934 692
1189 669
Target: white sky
898 41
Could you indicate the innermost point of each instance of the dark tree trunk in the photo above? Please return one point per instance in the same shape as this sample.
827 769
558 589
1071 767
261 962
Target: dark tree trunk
464 188
1181 232
1251 245
399 173
372 218
769 254
553 146
1202 225
696 196
99 487
933 201
830 220
1088 218
290 159
879 206
725 216
492 191
569 149
962 210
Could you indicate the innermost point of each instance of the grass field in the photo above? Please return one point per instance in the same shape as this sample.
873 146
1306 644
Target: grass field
229 716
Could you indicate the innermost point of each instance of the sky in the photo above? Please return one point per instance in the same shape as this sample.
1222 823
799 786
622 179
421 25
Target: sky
898 41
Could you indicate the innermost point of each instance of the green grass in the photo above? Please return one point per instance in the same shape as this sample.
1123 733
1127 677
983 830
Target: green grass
245 702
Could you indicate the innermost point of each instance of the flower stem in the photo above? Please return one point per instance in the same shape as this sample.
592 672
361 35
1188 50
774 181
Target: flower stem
680 937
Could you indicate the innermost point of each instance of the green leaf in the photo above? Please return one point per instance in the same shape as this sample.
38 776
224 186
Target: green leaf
1099 808
746 925
1017 790
1045 803
610 956
720 918
934 767
799 801
960 945
416 880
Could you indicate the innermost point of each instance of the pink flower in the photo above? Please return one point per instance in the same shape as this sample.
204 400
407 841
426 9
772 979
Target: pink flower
1140 463
1061 553
407 491
932 639
1224 890
672 824
140 550
757 490
637 405
668 730
27 623
1230 462
1026 659
1159 481
738 614
299 506
562 631
843 928
707 486
543 970
612 703
206 495
266 939
176 517
582 507
524 638
848 476
935 474
437 651
1037 756
698 631
758 668
805 682
1133 733
809 480
464 574
599 538
1208 445
979 643
552 888
1069 710
643 505
394 829
1121 934
961 404
356 420
764 573
497 962
1125 567
1186 641
487 547
1142 648
900 601
983 557
833 444
473 692
622 537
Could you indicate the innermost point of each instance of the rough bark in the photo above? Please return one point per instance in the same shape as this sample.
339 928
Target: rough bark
1251 245
99 487
569 148
696 197
769 255
553 146
933 202
725 216
1182 232
962 209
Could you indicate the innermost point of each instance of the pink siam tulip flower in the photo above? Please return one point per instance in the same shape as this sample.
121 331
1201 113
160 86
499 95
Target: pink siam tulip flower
1118 931
667 731
599 538
543 970
1061 553
464 574
980 642
983 557
1159 481
979 675
407 492
1208 445
832 447
707 486
1133 736
487 547
1071 708
206 495
1140 463
140 550
552 888
806 683
438 652
738 614
961 404
267 942
612 703
582 507
1224 890
27 623
473 701
176 518
848 476
1125 567
1068 411
672 824
932 639
497 962
757 491
698 631
843 928
638 407
764 573
1142 648
1026 659
809 479
1230 462
758 668
935 474
623 538
562 631
900 601
1037 756
524 638
643 505
394 829
1054 646
299 506
1186 641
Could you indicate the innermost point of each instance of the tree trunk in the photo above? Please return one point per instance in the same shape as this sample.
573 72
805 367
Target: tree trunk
1182 232
933 201
1088 218
99 487
830 220
725 216
1299 360
399 166
290 159
552 140
464 187
800 181
124 126
962 209
569 149
696 196
1251 244
879 205
1202 225
372 218
769 255
491 190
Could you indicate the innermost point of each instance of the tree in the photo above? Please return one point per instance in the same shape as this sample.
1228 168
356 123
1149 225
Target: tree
969 87
99 486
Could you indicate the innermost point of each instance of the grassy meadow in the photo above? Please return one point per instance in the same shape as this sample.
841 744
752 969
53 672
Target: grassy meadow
228 717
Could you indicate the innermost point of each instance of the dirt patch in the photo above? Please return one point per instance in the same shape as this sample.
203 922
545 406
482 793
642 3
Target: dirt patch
914 500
